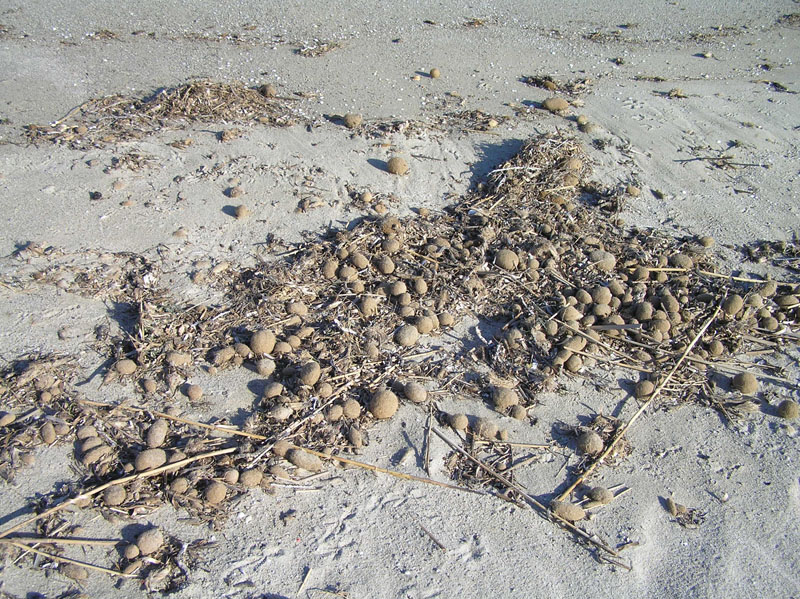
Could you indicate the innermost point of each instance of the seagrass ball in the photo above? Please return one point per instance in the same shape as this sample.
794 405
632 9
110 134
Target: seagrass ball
150 541
788 409
745 382
567 511
506 259
397 165
383 404
415 392
504 398
459 422
126 366
215 492
601 495
262 342
407 335
352 120
555 104
590 443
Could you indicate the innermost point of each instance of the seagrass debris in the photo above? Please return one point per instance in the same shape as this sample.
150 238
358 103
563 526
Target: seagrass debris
591 286
540 508
623 429
117 118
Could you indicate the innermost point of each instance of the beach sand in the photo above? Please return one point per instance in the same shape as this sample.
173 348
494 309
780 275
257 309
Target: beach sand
694 103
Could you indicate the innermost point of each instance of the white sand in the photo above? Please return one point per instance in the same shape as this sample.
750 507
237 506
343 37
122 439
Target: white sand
361 534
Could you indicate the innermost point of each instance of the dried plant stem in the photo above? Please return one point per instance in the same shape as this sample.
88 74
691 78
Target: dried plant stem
621 432
119 481
708 273
543 511
212 427
61 558
512 444
600 358
394 473
61 541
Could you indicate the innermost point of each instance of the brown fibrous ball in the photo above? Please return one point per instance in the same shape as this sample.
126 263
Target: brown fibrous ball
506 259
215 492
407 335
150 541
397 165
504 398
114 495
303 459
126 366
281 448
745 382
352 120
383 404
251 477
149 459
788 409
415 392
351 409
486 428
590 443
600 495
555 104
567 511
262 342
310 373
157 432
644 389
459 422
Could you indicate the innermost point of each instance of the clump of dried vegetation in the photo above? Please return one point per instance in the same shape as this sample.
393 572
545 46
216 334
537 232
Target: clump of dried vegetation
335 325
117 118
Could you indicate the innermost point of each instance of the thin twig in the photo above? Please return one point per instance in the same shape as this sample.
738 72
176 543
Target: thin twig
61 558
394 473
119 481
62 541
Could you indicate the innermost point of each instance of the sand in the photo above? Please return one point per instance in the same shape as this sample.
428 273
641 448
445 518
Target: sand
354 533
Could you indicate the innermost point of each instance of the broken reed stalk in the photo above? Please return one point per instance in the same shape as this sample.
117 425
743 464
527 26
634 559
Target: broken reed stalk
541 508
708 273
621 432
61 541
118 481
394 473
212 427
60 558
